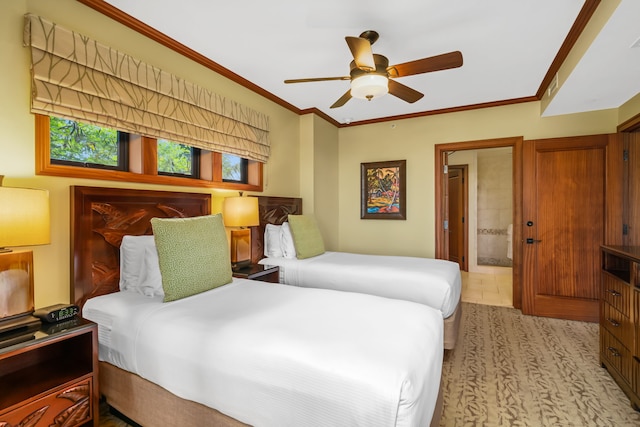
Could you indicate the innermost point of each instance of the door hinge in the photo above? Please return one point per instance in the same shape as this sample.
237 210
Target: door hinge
625 155
446 225
445 169
463 220
625 229
462 259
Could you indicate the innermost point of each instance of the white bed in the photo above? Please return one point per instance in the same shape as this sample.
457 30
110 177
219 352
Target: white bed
271 355
432 282
181 342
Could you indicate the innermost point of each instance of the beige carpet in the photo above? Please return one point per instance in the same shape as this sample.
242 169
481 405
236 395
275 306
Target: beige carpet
515 370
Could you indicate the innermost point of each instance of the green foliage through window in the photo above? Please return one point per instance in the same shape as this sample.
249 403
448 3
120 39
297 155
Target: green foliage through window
74 148
174 158
72 141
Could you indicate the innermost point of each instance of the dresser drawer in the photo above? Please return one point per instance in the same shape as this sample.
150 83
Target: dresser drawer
72 403
617 323
636 315
615 355
617 293
636 375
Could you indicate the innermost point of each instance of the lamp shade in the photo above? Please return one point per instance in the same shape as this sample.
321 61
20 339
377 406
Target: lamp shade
369 86
24 217
240 212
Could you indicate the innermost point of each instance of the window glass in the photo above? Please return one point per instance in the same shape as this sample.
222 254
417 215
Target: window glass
234 168
75 142
73 149
175 158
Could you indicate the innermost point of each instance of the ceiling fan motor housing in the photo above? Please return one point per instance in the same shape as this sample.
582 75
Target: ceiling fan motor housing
370 84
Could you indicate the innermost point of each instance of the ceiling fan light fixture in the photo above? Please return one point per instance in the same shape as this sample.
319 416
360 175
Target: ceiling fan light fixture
369 86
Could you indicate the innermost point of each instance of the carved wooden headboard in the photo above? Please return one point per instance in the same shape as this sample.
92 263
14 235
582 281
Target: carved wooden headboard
273 210
99 219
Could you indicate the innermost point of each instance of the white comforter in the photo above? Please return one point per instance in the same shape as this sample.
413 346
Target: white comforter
273 355
433 282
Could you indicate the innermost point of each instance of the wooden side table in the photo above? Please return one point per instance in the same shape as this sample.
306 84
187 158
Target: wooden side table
51 376
263 273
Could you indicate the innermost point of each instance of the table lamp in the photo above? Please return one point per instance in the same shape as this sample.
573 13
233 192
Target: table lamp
24 221
240 213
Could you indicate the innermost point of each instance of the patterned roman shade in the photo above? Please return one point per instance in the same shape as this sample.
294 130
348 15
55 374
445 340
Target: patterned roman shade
80 79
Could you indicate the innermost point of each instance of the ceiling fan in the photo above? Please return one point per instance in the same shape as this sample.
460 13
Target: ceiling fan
371 75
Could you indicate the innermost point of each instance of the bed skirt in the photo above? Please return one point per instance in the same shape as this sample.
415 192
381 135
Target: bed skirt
151 405
451 328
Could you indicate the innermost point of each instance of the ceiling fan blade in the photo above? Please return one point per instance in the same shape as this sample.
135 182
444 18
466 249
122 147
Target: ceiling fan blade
404 92
362 53
343 100
427 65
317 79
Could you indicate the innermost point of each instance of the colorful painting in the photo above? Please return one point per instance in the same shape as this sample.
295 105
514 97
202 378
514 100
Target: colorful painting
383 190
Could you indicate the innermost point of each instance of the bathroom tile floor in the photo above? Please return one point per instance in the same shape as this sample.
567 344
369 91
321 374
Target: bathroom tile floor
489 289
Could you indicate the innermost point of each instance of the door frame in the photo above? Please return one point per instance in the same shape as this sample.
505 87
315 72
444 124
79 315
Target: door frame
441 206
464 170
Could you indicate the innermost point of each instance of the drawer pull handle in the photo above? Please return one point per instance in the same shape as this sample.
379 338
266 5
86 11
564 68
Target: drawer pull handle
613 322
614 352
613 292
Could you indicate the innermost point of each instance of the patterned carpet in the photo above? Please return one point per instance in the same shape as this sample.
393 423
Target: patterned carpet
515 370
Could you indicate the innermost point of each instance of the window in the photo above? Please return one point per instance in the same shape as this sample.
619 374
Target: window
234 168
81 144
72 149
178 159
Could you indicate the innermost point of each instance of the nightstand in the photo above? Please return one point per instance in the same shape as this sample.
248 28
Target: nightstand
264 273
51 376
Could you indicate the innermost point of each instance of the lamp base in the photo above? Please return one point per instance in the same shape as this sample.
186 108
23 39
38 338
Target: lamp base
241 265
240 248
16 284
21 329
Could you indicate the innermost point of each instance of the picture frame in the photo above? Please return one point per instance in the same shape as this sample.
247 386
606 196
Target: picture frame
383 190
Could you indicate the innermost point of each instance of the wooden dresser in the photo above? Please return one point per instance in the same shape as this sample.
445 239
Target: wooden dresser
620 318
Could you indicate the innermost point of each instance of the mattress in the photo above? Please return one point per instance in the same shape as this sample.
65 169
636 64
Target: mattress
272 355
432 282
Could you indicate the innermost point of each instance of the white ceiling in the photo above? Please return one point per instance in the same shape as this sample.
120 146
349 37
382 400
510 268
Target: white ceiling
508 47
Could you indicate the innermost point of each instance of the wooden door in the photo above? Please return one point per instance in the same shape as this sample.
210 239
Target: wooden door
457 216
563 214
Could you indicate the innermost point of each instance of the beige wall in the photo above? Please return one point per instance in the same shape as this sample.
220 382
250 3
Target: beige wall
629 109
495 205
414 140
319 175
17 161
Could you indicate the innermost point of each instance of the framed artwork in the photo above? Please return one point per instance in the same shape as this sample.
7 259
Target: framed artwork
383 190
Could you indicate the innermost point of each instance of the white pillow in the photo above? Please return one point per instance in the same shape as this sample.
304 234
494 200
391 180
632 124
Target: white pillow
272 245
150 276
132 253
286 240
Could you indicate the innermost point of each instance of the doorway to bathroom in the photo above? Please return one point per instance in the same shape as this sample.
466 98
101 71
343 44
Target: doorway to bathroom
481 209
492 274
480 223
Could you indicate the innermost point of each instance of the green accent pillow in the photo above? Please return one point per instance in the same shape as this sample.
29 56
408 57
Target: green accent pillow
306 236
193 254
